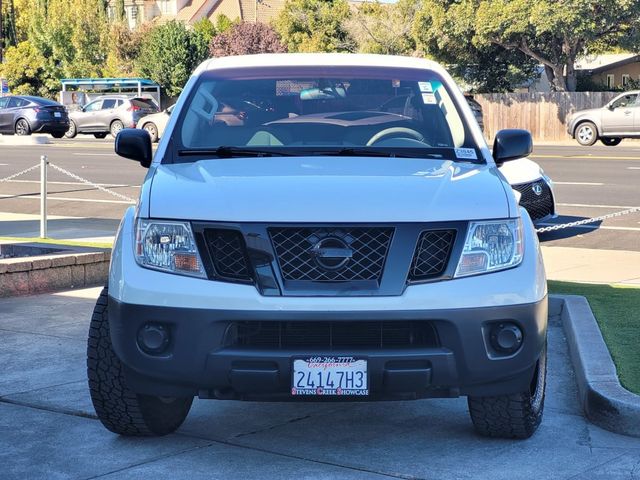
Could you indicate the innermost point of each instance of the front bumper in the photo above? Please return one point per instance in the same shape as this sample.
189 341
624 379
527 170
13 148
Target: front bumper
198 361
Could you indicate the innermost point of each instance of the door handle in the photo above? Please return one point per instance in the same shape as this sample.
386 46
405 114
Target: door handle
627 112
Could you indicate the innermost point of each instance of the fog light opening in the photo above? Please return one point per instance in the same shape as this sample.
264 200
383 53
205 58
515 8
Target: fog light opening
153 338
506 337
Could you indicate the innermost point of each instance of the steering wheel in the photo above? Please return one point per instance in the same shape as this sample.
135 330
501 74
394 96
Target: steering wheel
387 132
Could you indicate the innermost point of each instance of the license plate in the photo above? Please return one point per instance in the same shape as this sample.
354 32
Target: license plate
57 114
340 376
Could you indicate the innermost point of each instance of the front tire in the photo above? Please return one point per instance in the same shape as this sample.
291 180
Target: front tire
512 416
610 141
115 128
152 130
119 408
57 134
22 127
586 134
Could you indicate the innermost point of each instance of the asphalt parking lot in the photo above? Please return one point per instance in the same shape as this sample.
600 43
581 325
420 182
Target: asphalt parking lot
589 182
48 428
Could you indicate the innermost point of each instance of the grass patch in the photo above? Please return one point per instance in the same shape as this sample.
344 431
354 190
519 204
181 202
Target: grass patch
53 241
617 310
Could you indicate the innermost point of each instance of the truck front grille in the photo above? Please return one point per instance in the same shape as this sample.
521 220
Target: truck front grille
228 254
273 335
368 247
432 254
538 206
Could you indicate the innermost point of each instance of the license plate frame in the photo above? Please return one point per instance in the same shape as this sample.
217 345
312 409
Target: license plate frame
330 376
57 114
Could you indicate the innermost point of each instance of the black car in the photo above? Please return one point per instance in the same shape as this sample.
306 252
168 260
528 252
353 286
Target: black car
24 115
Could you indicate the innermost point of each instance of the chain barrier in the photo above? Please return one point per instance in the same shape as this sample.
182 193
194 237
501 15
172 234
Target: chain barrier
550 228
11 177
94 185
601 218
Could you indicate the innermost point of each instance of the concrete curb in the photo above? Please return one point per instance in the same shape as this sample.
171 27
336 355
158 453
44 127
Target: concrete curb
24 140
604 401
73 268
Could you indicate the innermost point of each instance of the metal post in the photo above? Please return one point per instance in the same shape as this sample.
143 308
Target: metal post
44 161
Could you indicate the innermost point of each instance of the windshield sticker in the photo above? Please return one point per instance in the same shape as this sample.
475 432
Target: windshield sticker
395 83
429 99
466 153
425 87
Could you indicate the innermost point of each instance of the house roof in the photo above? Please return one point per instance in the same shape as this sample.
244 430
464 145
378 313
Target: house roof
599 63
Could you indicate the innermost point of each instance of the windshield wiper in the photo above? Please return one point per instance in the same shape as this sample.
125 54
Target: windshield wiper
378 152
225 151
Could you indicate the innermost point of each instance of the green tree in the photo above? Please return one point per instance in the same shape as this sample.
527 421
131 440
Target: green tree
124 48
384 27
315 26
444 30
8 22
120 13
204 30
555 32
24 71
168 56
89 39
223 23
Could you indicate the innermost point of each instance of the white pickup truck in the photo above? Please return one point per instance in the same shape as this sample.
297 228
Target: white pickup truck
302 234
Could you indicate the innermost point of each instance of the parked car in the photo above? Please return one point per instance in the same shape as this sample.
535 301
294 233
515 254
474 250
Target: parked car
155 123
318 248
24 115
533 188
108 115
618 119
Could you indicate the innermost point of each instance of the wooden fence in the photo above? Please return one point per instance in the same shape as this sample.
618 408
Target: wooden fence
543 114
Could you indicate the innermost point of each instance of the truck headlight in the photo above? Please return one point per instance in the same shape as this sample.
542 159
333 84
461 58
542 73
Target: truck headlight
167 246
491 246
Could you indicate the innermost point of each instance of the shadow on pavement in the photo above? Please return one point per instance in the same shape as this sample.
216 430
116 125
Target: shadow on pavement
566 232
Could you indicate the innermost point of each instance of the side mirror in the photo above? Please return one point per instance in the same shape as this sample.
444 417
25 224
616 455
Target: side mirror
136 145
511 144
611 107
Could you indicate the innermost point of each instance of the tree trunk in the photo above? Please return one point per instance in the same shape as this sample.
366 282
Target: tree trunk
560 80
572 78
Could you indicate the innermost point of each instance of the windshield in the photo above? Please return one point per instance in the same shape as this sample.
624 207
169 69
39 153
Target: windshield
322 111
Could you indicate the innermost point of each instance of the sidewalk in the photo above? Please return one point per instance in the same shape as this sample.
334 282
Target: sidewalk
562 263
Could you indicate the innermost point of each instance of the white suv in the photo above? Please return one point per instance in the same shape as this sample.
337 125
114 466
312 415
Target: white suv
293 241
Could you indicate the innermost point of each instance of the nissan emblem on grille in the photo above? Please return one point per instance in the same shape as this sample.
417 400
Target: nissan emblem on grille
331 253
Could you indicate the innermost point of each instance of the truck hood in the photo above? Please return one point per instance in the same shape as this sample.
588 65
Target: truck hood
327 189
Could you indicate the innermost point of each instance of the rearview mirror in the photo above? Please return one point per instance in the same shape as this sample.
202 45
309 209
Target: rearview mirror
136 145
511 144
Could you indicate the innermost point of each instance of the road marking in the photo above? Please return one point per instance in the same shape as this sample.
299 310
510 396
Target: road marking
628 168
95 154
590 184
593 227
109 185
67 199
4 164
623 207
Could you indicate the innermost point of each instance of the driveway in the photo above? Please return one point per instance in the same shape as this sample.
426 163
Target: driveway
48 428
